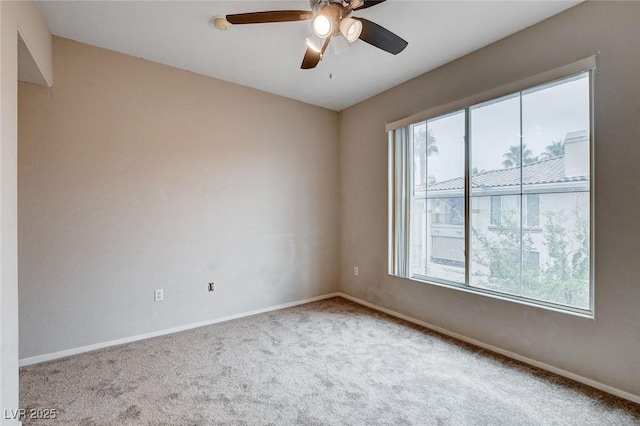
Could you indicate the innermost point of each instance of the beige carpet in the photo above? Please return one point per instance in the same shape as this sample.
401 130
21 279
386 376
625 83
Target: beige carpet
327 363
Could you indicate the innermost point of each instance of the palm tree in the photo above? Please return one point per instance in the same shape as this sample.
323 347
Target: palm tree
423 137
555 149
513 158
424 141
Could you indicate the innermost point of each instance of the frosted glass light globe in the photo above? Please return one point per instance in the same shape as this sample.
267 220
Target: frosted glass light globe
322 26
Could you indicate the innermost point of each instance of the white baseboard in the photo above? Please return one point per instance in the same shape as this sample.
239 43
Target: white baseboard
74 351
594 384
600 386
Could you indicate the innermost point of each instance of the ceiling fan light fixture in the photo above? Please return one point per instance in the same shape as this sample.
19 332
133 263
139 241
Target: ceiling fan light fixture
350 29
322 25
331 25
339 44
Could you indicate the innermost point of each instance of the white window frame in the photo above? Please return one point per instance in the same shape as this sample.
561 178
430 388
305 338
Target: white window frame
399 254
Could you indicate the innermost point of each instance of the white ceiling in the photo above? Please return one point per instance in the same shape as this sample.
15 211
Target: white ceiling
268 56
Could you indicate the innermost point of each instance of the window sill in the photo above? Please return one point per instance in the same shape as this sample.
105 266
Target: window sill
582 313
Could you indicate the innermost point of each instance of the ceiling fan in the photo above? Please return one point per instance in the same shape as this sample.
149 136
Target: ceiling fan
330 18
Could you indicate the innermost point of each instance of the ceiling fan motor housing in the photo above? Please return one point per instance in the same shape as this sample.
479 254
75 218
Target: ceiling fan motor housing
316 5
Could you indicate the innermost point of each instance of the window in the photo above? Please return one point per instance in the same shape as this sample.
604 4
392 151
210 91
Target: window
453 211
437 222
533 261
497 196
496 210
532 216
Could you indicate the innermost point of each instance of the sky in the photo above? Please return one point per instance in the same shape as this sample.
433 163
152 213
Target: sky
548 114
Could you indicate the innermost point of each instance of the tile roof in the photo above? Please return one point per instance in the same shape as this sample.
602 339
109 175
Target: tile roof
540 172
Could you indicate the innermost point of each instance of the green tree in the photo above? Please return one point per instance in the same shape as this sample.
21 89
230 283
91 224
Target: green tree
554 149
516 156
500 250
566 273
424 146
564 276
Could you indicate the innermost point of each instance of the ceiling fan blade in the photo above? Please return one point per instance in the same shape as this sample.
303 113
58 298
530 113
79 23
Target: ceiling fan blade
272 16
312 56
370 3
311 59
381 37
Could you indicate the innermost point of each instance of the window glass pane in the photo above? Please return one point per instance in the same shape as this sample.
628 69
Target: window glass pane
555 126
495 248
495 146
563 245
496 157
419 135
446 152
532 262
532 213
445 235
446 239
496 210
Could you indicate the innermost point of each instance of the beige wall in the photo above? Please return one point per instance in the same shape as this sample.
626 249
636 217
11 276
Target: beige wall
135 176
605 349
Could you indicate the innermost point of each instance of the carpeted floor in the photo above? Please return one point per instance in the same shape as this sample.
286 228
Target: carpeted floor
326 363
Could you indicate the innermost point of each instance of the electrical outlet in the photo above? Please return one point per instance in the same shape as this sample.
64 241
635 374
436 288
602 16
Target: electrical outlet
355 270
158 295
210 286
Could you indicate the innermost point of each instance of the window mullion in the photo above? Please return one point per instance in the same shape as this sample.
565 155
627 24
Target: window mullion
591 195
407 200
410 188
425 233
521 202
467 196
